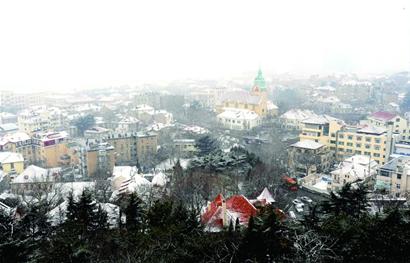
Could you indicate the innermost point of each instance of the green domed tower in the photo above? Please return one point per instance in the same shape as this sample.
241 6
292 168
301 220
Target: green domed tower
259 84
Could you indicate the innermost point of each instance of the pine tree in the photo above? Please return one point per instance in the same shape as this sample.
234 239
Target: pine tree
206 145
133 213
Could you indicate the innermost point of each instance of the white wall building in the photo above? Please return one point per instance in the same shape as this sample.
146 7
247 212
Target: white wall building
357 167
238 119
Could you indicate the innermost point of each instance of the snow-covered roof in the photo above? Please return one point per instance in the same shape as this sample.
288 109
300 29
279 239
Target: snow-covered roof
271 106
241 96
370 129
35 174
238 114
266 196
298 114
10 157
159 179
14 137
9 127
357 166
307 144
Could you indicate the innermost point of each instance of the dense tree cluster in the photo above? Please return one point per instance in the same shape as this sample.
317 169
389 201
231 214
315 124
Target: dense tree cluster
339 230
84 122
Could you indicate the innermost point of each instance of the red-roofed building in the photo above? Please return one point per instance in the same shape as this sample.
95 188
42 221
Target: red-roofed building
220 212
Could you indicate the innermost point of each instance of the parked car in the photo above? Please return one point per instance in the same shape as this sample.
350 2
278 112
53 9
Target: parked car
297 202
299 208
306 199
292 214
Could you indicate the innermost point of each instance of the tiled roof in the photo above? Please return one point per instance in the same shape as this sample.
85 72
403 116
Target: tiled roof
240 96
383 115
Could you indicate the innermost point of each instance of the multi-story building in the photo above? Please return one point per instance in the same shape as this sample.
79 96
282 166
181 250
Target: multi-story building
385 119
184 147
100 160
18 142
357 167
18 101
308 157
40 119
50 148
394 177
293 119
125 147
97 133
346 141
128 124
147 144
44 149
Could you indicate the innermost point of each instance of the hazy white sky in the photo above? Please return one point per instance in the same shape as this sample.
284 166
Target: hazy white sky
78 44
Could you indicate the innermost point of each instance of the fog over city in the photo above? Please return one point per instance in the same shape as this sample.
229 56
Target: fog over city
205 131
53 45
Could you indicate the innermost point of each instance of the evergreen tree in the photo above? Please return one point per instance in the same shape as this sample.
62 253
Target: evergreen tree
206 145
134 213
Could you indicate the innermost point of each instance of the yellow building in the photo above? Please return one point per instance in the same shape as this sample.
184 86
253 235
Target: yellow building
18 142
125 148
147 144
11 162
254 100
100 160
50 148
346 141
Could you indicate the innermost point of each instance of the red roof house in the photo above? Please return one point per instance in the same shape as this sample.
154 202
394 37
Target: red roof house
220 212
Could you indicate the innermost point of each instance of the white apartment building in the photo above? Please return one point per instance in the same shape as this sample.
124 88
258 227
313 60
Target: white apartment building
394 177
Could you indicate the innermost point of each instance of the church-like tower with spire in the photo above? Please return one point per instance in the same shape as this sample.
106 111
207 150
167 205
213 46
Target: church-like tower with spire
254 99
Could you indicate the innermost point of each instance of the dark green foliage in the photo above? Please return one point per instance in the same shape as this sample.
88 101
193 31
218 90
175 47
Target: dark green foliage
206 145
340 230
83 123
134 213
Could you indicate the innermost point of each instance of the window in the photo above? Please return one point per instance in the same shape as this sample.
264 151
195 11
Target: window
398 186
377 140
349 150
377 148
359 138
341 136
332 141
376 154
333 135
350 137
367 146
398 176
358 152
349 144
358 145
368 139
367 153
397 119
341 143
